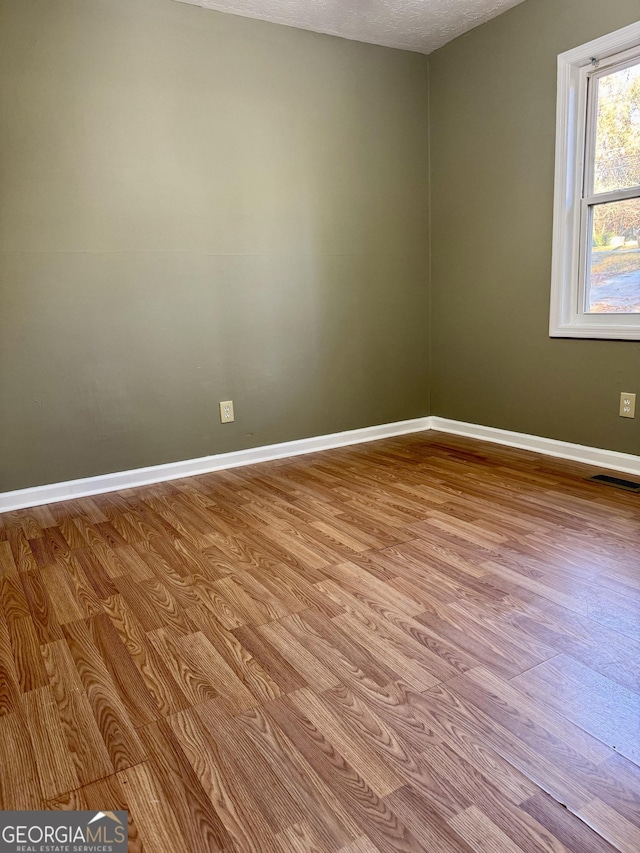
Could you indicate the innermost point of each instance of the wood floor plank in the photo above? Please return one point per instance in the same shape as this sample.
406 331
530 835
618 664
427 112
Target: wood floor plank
407 713
194 681
360 582
140 602
375 629
116 728
213 599
200 670
12 598
410 763
23 558
125 677
56 771
153 815
618 785
361 845
275 801
542 762
299 838
481 834
178 585
306 664
478 639
576 835
323 809
244 824
40 550
9 686
598 705
40 607
247 602
65 605
160 683
240 659
19 780
295 591
609 824
383 826
94 573
607 652
105 794
373 769
198 821
84 742
125 559
611 610
426 821
201 654
372 637
488 690
327 633
280 670
82 589
26 654
515 823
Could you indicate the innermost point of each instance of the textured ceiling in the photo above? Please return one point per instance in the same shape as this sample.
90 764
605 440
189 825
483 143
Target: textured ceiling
420 25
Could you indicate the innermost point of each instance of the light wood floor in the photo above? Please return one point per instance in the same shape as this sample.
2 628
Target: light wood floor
422 644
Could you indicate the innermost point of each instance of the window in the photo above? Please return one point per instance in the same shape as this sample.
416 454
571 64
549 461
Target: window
595 290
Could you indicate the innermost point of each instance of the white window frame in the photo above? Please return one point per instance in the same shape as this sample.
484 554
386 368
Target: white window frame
572 211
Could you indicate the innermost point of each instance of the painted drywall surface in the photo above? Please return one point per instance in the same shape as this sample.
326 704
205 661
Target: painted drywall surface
197 207
493 98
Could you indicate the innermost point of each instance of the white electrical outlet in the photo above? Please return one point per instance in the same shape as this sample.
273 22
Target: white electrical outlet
226 412
627 405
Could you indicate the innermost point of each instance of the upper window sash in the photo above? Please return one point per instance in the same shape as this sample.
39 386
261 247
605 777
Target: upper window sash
593 74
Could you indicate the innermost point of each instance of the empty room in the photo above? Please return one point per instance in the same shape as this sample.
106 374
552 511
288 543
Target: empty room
319 451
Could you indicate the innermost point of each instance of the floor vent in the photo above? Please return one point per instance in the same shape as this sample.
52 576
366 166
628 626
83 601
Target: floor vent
617 481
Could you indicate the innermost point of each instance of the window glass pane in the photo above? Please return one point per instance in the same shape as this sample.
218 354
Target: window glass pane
613 280
617 157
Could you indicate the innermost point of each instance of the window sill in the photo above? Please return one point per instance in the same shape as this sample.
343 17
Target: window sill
603 331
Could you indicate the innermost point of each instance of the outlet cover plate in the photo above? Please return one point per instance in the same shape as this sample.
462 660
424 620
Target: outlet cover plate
627 405
226 412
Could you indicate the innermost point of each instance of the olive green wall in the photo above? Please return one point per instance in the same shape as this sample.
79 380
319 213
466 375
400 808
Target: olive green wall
493 98
198 207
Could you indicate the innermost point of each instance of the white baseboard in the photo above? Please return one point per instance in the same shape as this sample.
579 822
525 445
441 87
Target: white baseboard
38 495
610 459
87 486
